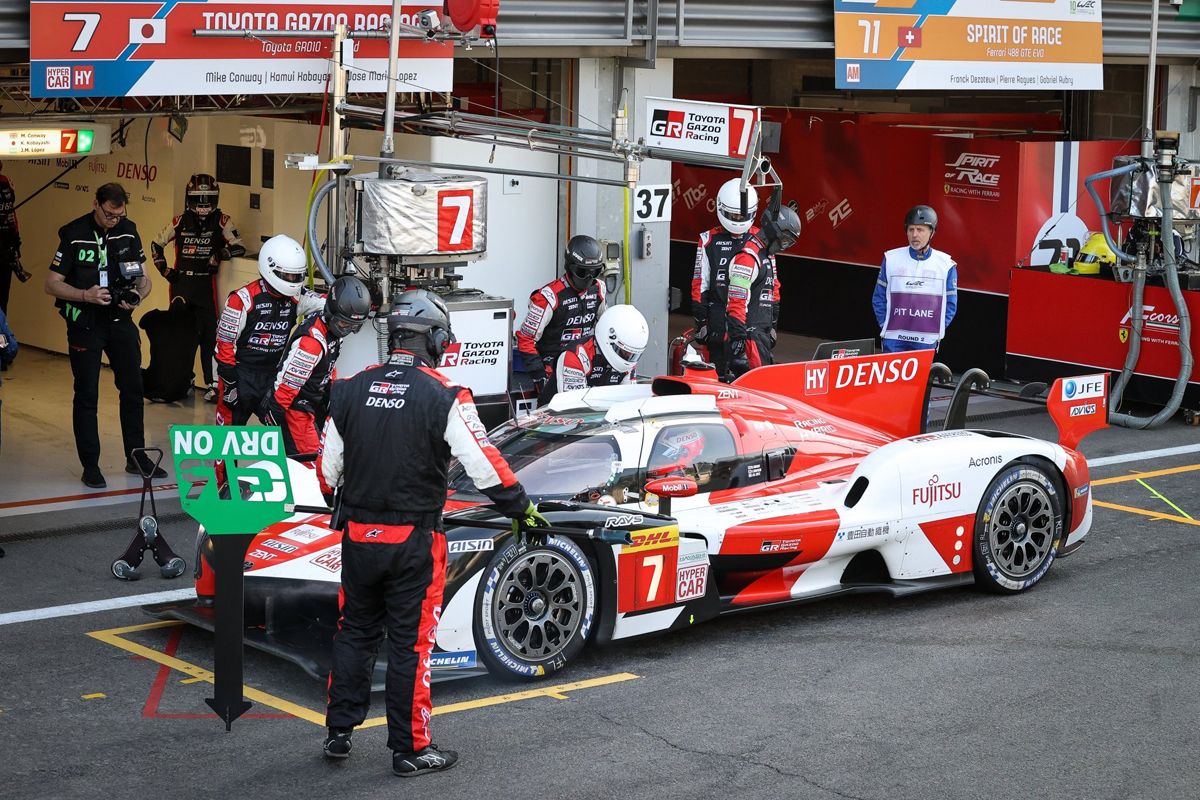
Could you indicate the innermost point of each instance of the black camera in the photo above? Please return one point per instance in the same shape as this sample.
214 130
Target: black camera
124 288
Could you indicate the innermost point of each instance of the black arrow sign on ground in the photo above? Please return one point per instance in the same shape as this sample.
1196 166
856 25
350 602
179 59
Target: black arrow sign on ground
229 551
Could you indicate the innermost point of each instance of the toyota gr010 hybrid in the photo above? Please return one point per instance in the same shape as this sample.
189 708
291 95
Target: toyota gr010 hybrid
794 483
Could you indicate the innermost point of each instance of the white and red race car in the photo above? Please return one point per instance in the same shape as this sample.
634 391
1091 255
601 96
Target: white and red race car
796 482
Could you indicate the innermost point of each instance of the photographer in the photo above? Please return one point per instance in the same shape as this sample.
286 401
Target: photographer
98 277
10 242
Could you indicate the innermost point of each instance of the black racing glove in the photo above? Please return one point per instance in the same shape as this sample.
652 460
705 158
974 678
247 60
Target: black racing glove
229 393
19 270
738 362
525 525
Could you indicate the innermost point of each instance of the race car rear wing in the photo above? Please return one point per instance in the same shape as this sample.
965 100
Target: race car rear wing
1077 405
887 392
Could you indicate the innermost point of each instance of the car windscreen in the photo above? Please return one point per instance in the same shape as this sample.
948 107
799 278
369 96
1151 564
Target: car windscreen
553 465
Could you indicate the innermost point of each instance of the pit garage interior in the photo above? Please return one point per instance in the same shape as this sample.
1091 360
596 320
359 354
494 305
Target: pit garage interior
807 702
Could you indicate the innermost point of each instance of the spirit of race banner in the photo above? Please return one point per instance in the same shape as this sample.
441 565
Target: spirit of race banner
969 45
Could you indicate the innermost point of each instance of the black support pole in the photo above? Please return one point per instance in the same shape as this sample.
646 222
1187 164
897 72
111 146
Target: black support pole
229 552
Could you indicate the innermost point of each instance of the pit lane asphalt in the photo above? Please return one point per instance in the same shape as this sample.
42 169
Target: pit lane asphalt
1084 687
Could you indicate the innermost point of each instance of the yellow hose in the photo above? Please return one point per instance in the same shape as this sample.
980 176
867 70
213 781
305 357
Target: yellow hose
625 249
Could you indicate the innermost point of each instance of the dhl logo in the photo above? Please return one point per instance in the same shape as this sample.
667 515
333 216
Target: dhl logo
653 539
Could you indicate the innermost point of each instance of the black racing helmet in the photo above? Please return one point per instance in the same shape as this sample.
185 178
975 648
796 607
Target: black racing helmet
584 261
419 313
347 306
201 194
921 215
780 228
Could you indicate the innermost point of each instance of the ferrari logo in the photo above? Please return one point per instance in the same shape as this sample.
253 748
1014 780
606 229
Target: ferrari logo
1123 335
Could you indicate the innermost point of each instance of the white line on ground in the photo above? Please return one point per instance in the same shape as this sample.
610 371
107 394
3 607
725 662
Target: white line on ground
75 609
1144 455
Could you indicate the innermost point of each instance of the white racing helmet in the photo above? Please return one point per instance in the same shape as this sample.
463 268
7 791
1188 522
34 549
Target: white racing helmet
729 207
282 264
622 335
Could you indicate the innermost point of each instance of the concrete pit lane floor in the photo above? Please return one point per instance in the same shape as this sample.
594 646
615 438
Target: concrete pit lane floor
1084 687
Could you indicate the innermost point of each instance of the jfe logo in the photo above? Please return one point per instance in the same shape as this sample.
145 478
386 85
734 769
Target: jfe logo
1083 388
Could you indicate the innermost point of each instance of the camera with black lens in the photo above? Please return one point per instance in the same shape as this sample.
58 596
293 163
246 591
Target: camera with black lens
124 288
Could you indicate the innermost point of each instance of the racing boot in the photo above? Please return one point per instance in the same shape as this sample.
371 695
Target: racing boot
431 759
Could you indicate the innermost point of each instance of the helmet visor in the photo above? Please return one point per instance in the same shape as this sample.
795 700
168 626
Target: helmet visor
736 215
290 277
627 353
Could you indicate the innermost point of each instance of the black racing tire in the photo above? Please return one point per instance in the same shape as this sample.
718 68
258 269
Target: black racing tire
1018 530
535 608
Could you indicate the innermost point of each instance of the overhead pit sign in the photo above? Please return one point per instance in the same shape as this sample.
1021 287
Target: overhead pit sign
970 45
716 129
86 48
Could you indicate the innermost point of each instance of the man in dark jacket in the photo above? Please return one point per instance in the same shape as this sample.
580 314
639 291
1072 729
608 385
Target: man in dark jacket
391 433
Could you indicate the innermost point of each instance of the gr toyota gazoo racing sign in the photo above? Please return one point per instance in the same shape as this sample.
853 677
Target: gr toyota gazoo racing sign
717 129
91 48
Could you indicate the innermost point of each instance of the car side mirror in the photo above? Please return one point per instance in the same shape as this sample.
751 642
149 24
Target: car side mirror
673 487
666 488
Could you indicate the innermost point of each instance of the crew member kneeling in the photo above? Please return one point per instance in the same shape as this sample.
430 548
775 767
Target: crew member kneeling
608 358
391 432
917 292
300 399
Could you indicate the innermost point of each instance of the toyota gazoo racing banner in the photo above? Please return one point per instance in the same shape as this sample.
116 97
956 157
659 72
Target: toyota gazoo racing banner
84 48
970 45
717 129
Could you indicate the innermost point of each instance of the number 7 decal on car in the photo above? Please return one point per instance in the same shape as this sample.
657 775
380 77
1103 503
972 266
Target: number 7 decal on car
646 569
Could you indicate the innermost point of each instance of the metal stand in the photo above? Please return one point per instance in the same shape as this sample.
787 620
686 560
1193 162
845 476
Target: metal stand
147 535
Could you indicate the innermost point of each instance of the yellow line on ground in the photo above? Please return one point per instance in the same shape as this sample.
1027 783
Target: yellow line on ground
113 636
1146 513
1153 474
186 681
93 696
513 697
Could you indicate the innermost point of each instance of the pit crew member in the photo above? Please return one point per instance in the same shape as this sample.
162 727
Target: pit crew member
203 237
391 432
563 313
710 277
255 326
916 295
753 312
300 398
606 359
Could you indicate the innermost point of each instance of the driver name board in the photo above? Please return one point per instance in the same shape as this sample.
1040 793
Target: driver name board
129 48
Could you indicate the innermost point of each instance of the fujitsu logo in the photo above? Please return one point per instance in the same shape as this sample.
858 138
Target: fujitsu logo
1154 319
936 492
969 168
